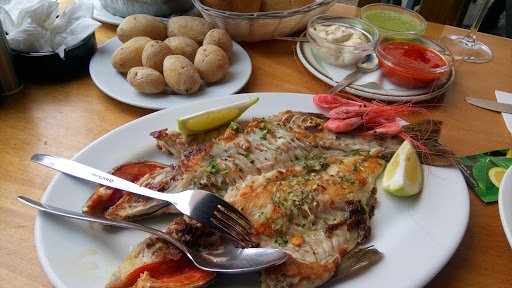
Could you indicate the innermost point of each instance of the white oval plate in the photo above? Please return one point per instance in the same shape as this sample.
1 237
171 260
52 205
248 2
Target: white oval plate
372 90
505 204
114 84
417 235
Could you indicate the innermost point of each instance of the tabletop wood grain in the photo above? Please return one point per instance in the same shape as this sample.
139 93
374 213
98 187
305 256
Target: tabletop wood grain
63 118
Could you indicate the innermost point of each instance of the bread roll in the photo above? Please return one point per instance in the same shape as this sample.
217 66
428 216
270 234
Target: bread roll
280 5
240 6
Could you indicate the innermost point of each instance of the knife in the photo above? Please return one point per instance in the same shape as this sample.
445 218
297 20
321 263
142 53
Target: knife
490 105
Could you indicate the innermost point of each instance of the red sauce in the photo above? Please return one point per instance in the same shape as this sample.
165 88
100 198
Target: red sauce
133 172
174 273
409 63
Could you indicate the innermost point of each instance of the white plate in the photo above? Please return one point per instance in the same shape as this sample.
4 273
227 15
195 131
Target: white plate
417 235
103 15
505 204
372 90
114 83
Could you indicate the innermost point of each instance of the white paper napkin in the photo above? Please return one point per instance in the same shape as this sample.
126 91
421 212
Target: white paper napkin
33 25
338 73
504 97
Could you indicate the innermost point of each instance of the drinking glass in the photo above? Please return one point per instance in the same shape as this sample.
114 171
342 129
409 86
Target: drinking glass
466 47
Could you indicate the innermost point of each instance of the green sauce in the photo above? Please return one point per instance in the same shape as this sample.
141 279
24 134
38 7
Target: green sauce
392 21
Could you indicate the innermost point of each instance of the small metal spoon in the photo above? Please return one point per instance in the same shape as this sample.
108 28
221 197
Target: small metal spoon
229 260
367 64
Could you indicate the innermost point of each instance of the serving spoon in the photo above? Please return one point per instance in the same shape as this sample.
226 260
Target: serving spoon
367 64
228 260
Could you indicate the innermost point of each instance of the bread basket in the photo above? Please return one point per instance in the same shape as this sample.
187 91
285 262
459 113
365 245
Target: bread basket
253 27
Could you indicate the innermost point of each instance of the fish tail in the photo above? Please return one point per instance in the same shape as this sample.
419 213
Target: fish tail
425 135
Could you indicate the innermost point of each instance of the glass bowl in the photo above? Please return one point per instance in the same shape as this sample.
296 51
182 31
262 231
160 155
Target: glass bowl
388 18
339 40
413 61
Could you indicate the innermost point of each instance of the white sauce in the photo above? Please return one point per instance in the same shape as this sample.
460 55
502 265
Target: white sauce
332 52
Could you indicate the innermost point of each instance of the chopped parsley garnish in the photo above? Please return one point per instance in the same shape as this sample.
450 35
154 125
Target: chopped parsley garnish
313 165
247 155
236 127
281 240
265 130
212 167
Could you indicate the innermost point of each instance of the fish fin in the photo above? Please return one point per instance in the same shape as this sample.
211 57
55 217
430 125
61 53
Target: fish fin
425 134
356 259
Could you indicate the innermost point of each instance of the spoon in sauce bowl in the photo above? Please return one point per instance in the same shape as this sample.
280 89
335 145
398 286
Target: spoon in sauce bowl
367 64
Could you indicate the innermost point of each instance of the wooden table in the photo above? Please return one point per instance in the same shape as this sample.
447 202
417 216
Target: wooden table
63 118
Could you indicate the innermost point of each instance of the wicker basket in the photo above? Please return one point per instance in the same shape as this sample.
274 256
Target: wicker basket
253 27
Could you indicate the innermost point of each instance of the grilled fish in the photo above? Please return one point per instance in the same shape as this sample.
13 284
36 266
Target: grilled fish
253 148
157 263
316 211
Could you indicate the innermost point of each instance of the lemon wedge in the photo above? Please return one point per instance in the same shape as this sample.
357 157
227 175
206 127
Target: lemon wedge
496 175
404 174
214 118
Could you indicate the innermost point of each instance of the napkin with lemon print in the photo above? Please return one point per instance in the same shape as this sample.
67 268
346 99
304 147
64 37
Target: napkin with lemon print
484 172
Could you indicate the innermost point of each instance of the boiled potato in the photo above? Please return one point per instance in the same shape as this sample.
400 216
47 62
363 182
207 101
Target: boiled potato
212 63
220 38
141 25
181 75
129 54
146 80
154 54
194 28
183 46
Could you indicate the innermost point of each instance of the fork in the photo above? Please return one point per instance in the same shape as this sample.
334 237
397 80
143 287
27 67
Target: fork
228 260
202 206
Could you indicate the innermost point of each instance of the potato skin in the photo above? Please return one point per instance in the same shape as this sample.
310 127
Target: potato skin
181 75
129 54
220 38
212 63
141 25
183 46
192 27
146 80
154 54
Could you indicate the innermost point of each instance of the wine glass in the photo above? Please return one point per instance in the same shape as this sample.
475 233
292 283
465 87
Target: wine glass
466 47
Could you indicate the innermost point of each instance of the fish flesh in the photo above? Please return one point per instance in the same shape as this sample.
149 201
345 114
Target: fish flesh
250 148
316 211
154 262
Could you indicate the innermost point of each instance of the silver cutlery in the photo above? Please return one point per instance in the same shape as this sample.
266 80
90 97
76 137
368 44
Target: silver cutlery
228 260
200 205
367 64
290 38
490 105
